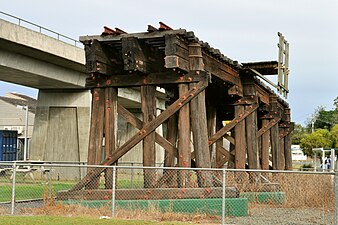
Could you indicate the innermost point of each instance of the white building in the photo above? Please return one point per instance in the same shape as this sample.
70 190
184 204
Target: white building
297 153
14 118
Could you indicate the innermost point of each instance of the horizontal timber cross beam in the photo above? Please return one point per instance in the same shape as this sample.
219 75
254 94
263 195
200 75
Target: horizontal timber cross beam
138 79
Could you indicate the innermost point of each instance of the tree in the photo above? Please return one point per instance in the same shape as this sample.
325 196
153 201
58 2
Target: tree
334 133
321 138
297 134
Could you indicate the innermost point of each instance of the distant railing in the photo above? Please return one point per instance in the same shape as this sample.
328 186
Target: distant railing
41 29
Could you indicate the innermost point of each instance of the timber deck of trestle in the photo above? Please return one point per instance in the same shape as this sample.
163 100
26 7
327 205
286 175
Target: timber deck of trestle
205 90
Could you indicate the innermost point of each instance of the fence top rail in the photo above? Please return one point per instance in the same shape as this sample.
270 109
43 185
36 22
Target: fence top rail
41 28
163 168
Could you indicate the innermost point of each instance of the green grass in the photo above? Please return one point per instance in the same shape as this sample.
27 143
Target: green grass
43 220
30 191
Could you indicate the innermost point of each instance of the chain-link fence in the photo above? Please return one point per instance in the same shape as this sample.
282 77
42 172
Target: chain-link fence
212 196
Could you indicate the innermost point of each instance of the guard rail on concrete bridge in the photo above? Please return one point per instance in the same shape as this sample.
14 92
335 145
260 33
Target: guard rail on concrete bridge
57 69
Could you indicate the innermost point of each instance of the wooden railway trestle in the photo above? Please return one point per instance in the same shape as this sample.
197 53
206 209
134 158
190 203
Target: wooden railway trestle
204 89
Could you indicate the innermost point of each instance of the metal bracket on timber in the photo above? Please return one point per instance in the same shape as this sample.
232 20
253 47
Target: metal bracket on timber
136 80
232 124
146 130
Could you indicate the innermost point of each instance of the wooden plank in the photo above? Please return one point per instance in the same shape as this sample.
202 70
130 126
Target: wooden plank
240 139
148 107
96 132
136 80
133 120
149 194
178 104
265 145
110 133
252 145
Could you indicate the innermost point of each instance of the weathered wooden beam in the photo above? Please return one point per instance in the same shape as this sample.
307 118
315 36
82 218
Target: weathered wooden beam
134 55
281 162
149 194
148 128
274 134
287 149
172 128
110 130
211 123
136 80
98 60
265 140
177 56
221 70
240 138
96 133
148 107
251 138
184 129
199 126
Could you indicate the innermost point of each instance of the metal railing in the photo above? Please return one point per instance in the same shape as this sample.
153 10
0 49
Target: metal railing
224 196
57 36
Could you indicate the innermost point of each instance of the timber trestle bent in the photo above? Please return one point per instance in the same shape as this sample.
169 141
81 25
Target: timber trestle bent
211 99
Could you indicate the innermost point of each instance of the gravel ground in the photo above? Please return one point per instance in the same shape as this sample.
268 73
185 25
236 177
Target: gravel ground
283 216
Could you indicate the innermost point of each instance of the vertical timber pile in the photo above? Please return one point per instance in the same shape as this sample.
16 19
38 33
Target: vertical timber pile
199 119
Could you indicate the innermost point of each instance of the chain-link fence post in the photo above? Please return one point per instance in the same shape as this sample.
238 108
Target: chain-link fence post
50 191
223 198
13 189
132 175
113 193
336 198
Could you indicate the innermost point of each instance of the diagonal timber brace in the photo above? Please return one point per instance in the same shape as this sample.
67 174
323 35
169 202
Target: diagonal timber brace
146 130
268 126
136 122
232 124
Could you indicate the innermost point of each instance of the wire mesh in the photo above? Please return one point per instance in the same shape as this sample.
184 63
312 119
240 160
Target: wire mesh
173 194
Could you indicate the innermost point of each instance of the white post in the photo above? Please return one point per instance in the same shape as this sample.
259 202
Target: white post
113 193
223 198
26 134
336 198
13 189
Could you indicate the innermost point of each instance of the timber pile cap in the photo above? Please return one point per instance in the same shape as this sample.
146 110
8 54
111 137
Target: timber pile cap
155 37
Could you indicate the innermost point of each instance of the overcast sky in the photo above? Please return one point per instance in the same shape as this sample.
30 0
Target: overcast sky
244 30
